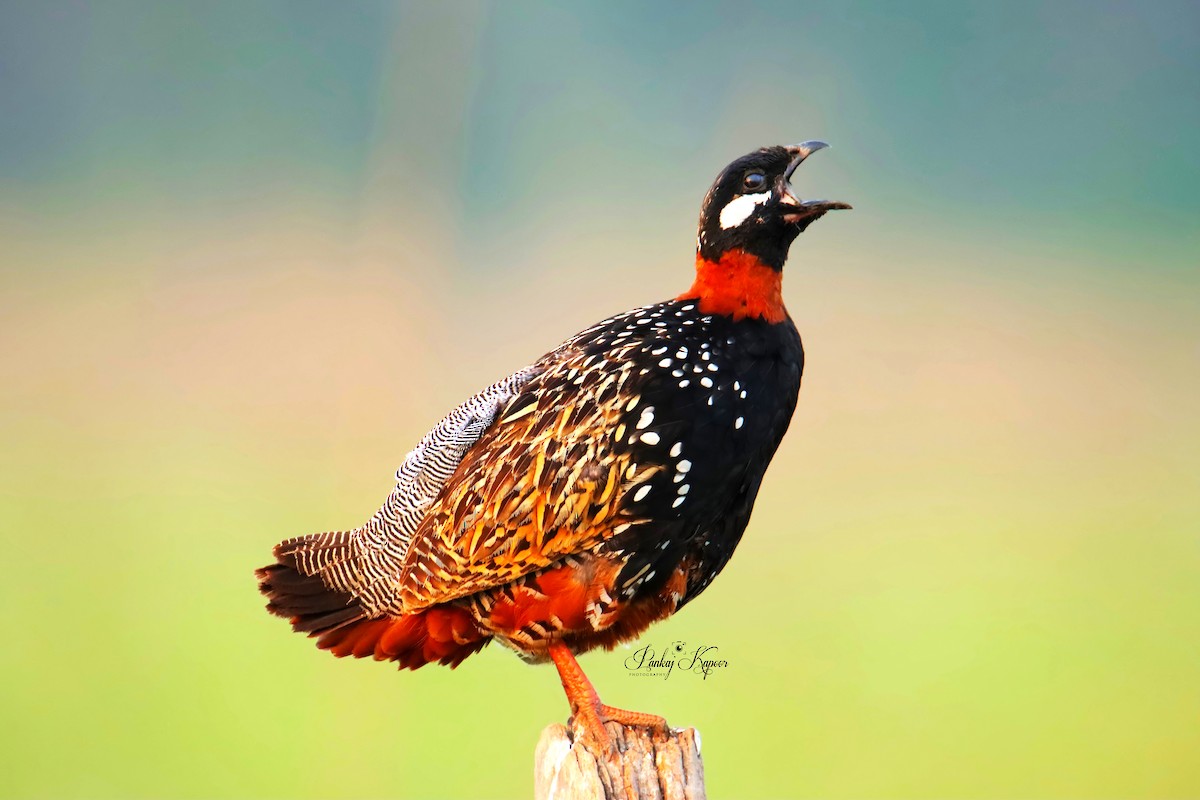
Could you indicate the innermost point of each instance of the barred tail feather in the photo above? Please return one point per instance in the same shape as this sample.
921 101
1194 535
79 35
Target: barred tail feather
296 591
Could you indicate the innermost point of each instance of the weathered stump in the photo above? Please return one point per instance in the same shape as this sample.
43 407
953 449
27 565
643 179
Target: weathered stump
647 766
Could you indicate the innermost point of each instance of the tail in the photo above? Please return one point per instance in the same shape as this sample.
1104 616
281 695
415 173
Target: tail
296 591
446 634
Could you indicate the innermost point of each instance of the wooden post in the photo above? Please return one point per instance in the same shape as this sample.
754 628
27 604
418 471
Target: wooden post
648 766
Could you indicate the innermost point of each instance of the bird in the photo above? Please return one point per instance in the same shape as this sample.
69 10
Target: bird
592 493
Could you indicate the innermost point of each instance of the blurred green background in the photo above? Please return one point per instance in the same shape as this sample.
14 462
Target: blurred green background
252 250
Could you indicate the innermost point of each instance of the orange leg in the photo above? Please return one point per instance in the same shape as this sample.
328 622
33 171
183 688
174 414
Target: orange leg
585 703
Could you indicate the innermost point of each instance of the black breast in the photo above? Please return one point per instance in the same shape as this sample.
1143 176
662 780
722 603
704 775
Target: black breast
708 400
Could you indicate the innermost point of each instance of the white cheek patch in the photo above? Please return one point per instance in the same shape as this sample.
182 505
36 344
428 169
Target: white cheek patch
739 208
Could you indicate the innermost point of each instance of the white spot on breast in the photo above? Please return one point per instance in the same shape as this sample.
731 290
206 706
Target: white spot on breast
684 465
737 423
646 418
740 208
650 437
641 493
706 382
678 502
666 362
676 449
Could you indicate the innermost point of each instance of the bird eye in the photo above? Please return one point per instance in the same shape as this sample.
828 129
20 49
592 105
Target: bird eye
754 181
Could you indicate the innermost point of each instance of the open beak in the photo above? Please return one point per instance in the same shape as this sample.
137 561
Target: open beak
795 209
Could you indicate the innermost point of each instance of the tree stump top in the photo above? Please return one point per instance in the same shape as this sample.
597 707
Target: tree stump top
648 766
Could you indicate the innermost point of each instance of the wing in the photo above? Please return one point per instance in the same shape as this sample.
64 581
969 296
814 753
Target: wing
559 473
539 485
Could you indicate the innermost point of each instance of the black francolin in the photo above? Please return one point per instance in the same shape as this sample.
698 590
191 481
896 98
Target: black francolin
592 493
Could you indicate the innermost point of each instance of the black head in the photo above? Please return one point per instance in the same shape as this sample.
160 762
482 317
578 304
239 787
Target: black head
751 206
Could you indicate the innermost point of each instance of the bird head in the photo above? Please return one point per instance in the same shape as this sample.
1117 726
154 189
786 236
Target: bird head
751 206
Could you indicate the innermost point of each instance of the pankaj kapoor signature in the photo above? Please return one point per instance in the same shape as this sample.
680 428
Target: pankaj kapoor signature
648 662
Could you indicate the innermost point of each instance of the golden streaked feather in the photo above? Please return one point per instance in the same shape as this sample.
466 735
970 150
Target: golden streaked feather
540 484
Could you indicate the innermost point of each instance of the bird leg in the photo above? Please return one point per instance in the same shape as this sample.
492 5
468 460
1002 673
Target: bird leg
586 707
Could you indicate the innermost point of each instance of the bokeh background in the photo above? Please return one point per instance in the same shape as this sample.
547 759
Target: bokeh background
252 250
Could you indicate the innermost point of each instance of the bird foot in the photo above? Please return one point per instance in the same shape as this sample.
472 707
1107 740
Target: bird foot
588 720
636 719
